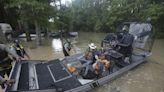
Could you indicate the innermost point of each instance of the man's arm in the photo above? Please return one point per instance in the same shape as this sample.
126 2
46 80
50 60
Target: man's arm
11 52
7 82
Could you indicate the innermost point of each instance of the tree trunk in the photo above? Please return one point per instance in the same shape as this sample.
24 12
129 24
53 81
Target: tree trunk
28 37
2 37
38 34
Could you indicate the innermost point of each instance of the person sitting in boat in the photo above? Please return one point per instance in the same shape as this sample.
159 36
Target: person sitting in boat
102 58
87 59
97 70
19 49
90 71
93 48
87 72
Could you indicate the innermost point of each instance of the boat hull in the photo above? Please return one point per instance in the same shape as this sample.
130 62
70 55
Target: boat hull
23 84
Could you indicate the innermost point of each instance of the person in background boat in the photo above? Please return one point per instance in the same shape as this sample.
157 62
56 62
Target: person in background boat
67 46
4 82
5 59
19 49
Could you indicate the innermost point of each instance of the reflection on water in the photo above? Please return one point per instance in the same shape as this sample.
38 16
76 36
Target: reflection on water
147 77
57 45
51 49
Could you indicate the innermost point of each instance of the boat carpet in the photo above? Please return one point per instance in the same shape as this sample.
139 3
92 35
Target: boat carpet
24 77
64 80
44 77
58 71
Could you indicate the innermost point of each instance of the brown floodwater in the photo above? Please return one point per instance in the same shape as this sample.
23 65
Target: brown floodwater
148 77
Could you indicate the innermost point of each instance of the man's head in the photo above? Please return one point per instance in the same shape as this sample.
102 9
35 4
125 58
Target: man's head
125 28
148 20
16 42
92 46
2 37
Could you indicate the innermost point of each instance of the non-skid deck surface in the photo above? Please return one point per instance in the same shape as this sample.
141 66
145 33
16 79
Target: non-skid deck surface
24 77
44 78
58 71
54 75
50 75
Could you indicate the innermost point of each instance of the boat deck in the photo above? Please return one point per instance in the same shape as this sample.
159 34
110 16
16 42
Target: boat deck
53 75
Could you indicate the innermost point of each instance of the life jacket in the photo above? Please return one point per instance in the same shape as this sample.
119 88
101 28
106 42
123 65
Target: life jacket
71 69
19 50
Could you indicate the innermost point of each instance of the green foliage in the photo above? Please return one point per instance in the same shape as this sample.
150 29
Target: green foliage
106 15
89 15
32 10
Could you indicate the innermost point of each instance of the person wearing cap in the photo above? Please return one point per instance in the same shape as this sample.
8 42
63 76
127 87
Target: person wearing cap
19 49
5 60
93 48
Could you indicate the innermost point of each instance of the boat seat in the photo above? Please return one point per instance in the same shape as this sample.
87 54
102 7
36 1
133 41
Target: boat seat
116 58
